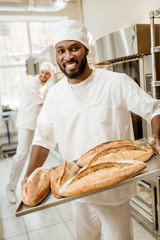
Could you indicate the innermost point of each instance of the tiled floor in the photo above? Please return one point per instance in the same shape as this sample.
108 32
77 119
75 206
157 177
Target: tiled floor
52 224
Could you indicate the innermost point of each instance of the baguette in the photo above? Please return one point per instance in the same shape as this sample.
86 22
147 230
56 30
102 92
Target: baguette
37 186
101 176
128 152
85 158
65 171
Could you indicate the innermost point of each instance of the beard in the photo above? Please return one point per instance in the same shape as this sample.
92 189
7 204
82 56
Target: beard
43 80
80 70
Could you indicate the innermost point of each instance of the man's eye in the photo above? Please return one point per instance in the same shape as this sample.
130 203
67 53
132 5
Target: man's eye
60 51
75 49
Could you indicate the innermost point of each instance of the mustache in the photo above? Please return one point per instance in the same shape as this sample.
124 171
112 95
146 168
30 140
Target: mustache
70 62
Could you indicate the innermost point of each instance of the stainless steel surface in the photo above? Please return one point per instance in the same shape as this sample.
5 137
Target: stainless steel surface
156 13
144 195
158 203
154 49
146 223
153 168
145 202
127 42
146 185
154 75
154 206
142 205
141 210
157 84
158 186
147 212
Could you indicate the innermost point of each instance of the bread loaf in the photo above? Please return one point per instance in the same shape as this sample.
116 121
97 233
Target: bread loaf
65 171
37 186
128 152
101 176
85 158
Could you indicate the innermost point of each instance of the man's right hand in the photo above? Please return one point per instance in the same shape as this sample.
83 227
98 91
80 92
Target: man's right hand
38 156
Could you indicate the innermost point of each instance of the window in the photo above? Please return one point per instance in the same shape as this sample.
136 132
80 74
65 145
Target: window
19 41
41 34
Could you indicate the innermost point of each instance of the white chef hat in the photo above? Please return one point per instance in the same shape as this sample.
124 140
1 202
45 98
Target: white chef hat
47 66
71 30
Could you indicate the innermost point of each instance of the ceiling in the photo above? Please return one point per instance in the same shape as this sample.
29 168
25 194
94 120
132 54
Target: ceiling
34 5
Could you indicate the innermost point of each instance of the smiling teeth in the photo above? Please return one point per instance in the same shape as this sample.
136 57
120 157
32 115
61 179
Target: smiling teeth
70 65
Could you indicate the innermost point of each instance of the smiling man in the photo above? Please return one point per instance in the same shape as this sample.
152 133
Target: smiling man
44 75
86 108
72 60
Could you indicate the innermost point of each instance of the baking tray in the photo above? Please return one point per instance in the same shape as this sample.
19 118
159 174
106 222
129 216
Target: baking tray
152 169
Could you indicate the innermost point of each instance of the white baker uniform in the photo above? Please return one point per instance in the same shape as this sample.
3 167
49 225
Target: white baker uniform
81 116
33 95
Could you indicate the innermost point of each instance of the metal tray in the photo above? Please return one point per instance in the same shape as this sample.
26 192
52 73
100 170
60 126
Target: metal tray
153 169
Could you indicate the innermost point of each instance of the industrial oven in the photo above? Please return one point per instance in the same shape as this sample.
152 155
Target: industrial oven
128 51
144 204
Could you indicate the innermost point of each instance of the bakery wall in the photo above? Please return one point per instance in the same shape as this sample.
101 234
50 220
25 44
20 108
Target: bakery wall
105 16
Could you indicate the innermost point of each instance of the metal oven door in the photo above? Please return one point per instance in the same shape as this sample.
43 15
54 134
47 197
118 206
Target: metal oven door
143 205
136 68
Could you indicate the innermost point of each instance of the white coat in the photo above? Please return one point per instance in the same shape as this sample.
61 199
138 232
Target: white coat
102 115
33 95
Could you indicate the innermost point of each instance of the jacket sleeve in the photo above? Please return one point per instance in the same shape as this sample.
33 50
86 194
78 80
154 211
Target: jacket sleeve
44 133
32 90
137 100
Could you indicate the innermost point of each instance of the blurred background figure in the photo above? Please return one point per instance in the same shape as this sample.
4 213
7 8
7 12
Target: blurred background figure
32 100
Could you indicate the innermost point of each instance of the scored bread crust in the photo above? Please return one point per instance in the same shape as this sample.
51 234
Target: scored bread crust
127 152
65 171
37 186
56 178
100 176
86 157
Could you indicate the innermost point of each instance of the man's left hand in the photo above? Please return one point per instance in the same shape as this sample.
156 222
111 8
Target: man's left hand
154 142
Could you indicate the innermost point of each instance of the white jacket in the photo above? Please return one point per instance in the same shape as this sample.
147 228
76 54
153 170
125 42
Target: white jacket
33 95
103 115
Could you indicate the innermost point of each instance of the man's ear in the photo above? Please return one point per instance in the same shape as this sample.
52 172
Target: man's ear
87 51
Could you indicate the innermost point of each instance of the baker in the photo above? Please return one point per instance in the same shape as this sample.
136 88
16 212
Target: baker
86 108
33 96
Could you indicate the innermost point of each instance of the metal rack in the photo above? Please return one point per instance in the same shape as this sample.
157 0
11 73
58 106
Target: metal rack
148 213
143 207
156 89
9 148
154 49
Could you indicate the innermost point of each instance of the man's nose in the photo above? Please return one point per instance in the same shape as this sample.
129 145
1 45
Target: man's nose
68 55
43 74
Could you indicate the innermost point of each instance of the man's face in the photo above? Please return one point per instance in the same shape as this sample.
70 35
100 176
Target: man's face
71 58
44 75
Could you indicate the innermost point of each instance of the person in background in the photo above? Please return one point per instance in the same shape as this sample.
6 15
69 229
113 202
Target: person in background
86 108
32 100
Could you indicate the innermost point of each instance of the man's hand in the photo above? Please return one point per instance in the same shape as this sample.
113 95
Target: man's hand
154 142
37 158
